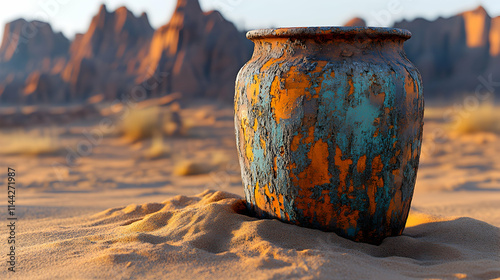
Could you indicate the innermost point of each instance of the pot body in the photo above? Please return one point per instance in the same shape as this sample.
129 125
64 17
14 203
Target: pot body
329 129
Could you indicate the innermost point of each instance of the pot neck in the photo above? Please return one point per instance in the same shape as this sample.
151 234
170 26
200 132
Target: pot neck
341 47
341 41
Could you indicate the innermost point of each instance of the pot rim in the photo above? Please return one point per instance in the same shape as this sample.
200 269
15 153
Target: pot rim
330 32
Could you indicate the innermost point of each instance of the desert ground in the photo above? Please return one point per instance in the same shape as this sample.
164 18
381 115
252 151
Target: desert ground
97 199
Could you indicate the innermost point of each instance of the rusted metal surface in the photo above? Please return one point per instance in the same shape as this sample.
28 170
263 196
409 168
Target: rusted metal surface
329 128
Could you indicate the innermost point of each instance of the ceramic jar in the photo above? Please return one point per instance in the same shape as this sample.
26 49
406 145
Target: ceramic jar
329 129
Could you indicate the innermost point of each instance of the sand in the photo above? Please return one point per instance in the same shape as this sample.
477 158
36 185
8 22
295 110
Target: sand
209 236
117 215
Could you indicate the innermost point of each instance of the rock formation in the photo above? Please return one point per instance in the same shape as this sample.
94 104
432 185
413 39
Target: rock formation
27 50
452 53
197 54
455 55
105 59
28 45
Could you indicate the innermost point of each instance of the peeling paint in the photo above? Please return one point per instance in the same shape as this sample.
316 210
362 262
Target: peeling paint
330 141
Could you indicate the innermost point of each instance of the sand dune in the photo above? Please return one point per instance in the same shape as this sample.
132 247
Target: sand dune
209 236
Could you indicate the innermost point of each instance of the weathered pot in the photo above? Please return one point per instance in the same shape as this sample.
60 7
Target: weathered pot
329 128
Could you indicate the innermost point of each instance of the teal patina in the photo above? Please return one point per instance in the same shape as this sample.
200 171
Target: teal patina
329 128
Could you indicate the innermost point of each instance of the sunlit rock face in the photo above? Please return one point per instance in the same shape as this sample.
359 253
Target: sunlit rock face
197 54
29 48
27 45
455 55
105 59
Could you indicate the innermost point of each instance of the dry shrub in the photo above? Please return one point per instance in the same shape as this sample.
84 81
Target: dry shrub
434 113
140 124
34 143
145 123
158 148
189 168
485 119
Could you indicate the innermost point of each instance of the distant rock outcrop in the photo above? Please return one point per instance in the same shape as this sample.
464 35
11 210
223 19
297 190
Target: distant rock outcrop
30 45
114 38
27 50
197 54
105 59
453 53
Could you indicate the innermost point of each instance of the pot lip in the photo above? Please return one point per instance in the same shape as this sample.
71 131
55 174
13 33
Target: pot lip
329 31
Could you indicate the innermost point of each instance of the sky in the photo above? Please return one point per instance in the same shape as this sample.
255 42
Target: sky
74 16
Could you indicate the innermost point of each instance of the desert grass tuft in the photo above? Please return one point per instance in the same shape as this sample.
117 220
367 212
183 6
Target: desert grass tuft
158 148
190 168
485 119
144 123
34 143
140 124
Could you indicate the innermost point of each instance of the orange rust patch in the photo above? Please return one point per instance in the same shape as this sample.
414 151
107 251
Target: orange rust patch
319 68
315 174
284 101
351 86
260 199
270 63
411 91
348 218
310 137
269 201
253 90
377 165
296 142
406 155
361 164
415 153
343 166
378 98
248 139
371 192
266 65
375 183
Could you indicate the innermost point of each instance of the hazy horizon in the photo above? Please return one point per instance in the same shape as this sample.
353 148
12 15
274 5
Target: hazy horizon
71 17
